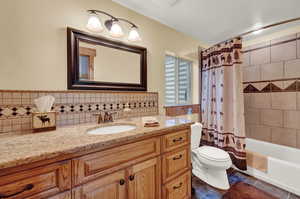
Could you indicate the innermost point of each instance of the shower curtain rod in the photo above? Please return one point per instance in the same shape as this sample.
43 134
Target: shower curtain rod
258 29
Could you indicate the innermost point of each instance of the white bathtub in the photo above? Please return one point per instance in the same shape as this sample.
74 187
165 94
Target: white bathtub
283 168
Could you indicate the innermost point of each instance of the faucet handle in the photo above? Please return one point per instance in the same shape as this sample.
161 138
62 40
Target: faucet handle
100 118
108 116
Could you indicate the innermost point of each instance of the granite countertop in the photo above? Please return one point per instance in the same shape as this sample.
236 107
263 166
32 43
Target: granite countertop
23 149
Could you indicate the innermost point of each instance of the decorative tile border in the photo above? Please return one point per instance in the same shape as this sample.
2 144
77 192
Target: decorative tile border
73 107
284 85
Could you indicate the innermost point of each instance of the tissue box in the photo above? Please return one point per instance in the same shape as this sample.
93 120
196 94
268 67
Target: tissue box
43 121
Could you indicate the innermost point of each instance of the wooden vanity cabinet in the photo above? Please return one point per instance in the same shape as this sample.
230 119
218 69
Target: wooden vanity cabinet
175 162
94 165
40 182
176 165
156 167
142 181
175 140
111 186
179 188
65 195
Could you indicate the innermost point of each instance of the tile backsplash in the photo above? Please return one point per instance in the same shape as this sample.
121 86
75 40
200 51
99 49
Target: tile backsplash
272 91
73 107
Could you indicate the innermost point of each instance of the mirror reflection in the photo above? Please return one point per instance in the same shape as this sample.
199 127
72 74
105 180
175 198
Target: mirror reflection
105 64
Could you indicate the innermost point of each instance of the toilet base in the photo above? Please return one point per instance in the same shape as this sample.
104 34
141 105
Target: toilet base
215 178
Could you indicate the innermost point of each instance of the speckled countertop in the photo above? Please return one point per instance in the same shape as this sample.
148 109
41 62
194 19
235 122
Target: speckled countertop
23 149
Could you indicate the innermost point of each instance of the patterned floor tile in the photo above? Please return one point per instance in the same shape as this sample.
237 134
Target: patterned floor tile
274 191
207 194
239 177
205 191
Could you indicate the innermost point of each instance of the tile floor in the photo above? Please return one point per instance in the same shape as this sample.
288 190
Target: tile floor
204 191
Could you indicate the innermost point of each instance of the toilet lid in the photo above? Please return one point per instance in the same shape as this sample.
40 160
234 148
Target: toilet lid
213 153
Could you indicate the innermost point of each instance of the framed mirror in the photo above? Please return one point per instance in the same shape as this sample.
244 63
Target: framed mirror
98 63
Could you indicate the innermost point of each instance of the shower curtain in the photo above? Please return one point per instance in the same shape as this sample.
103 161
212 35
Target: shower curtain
222 105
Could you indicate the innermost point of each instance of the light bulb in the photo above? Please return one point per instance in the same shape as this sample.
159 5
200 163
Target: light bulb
94 24
134 35
116 30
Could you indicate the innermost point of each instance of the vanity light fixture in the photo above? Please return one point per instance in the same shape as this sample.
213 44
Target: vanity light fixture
94 24
112 25
116 29
134 35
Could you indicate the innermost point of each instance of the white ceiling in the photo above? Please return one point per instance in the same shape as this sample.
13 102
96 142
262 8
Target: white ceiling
212 21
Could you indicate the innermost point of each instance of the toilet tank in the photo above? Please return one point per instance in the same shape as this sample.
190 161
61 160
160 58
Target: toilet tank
196 132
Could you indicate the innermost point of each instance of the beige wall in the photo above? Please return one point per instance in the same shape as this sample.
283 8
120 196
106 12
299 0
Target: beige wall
271 71
33 50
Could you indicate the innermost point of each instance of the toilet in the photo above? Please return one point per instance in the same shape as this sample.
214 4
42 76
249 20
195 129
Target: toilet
209 163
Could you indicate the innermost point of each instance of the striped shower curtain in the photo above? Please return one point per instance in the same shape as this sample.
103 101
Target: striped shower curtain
222 105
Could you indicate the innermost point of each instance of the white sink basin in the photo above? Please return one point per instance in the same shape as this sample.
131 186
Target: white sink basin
114 129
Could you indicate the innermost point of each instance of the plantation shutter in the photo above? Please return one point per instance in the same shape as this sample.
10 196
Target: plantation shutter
170 80
177 81
184 83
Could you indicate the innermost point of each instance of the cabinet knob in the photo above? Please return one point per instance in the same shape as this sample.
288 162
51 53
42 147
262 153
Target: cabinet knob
131 177
177 140
122 182
177 187
178 157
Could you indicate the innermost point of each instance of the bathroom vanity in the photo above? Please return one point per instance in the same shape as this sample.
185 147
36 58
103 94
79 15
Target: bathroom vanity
150 163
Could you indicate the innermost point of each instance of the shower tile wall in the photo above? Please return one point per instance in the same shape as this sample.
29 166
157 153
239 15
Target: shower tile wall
271 73
72 107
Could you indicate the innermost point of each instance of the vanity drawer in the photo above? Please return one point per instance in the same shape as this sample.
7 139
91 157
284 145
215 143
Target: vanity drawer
40 182
91 166
174 140
175 162
179 188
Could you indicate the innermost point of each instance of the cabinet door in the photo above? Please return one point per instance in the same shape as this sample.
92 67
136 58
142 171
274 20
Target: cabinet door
112 186
144 180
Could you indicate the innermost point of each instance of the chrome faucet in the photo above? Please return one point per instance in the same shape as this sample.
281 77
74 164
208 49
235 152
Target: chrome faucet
107 117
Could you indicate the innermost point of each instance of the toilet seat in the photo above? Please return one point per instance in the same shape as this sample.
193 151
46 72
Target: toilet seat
212 157
213 154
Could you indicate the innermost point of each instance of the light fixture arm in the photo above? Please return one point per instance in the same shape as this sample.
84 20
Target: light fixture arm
102 12
113 18
129 22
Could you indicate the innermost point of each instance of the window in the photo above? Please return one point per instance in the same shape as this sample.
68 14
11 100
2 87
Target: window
84 67
86 63
178 82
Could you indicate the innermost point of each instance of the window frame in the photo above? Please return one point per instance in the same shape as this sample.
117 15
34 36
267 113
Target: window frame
91 54
190 81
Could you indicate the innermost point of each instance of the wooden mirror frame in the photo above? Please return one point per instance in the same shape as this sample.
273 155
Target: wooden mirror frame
73 38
